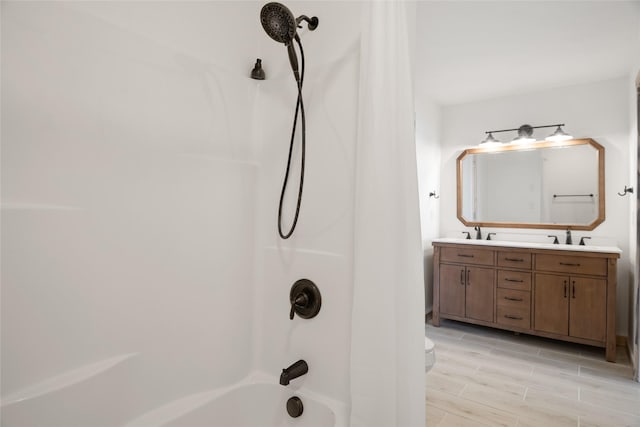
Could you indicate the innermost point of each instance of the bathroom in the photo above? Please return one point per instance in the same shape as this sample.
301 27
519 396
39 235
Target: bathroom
141 168
490 98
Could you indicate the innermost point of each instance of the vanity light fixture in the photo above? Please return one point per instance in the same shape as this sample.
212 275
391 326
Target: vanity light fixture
559 134
525 133
489 140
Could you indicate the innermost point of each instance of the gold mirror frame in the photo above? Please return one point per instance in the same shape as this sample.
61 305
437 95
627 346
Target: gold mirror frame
536 145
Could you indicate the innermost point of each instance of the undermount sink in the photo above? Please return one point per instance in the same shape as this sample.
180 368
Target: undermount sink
534 245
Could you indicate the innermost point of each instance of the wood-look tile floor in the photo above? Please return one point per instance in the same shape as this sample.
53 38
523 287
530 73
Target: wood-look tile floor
488 377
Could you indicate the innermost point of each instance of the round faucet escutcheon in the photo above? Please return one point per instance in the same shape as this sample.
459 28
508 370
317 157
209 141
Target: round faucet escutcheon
295 408
305 299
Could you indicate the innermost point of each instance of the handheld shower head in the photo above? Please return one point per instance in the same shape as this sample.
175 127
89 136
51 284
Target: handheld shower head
278 22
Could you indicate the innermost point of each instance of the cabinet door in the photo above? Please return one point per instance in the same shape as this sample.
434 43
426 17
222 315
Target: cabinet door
551 304
452 287
588 308
479 302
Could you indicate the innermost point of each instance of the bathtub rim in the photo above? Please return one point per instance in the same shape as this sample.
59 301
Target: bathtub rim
173 410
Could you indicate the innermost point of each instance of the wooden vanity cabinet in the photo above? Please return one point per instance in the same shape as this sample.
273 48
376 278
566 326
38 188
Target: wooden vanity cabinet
570 305
468 279
467 291
562 294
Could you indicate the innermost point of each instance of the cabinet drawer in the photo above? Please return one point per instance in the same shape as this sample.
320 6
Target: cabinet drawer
514 308
519 280
517 316
514 299
467 256
571 264
514 260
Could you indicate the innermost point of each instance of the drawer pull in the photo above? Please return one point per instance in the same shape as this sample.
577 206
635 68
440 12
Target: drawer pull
514 259
506 279
465 256
509 316
513 299
570 264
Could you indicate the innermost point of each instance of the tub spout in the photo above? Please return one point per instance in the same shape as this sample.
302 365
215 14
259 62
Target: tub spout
296 370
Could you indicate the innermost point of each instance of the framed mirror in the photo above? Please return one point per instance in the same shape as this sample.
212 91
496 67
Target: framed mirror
551 185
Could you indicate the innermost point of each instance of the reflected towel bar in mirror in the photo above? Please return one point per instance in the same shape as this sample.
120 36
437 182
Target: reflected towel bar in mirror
572 195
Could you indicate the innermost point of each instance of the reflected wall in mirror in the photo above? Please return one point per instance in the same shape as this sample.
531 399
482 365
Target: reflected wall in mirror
555 185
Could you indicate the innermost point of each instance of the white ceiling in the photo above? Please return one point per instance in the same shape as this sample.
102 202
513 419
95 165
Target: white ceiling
475 50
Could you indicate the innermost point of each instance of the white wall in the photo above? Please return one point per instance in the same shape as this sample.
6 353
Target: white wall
428 158
634 215
128 192
598 110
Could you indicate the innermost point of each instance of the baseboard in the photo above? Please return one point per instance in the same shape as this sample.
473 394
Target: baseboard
634 362
427 316
621 340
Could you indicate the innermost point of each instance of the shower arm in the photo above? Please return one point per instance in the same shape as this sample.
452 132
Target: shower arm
312 22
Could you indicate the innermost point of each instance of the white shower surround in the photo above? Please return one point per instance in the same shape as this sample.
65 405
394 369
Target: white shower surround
140 178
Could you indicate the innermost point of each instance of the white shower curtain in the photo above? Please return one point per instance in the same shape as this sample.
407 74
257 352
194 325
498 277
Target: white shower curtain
387 354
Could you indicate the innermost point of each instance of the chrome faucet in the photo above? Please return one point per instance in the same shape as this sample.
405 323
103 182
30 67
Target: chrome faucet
294 371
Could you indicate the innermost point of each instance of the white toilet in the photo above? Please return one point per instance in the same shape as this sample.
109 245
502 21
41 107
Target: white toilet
429 354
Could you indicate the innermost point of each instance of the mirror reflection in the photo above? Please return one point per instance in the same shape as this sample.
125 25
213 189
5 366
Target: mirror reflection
541 185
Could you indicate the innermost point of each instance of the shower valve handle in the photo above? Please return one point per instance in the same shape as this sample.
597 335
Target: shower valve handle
305 299
301 301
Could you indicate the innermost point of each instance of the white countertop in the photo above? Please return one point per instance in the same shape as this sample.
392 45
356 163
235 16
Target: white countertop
529 245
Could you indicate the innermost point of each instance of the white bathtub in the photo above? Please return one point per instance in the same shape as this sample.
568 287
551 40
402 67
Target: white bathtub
248 404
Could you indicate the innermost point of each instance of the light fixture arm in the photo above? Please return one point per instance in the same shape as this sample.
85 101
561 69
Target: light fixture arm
524 127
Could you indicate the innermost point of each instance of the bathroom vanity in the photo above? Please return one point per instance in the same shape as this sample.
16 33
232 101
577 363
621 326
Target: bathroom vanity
565 292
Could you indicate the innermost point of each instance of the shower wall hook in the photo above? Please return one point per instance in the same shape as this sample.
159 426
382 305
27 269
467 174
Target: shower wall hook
626 190
434 195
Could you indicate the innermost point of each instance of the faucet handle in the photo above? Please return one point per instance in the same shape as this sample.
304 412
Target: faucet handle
300 302
582 240
468 235
555 239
